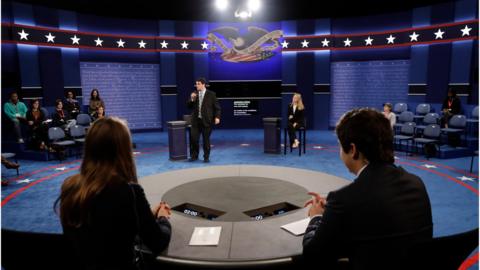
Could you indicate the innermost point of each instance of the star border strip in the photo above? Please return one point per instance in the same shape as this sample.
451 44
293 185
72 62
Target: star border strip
43 36
440 33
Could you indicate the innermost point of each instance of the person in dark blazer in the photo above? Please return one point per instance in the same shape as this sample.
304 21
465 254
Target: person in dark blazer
296 118
103 208
451 106
206 113
38 129
374 220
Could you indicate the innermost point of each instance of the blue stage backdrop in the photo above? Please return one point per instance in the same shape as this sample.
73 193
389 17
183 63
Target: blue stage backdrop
367 84
245 51
130 91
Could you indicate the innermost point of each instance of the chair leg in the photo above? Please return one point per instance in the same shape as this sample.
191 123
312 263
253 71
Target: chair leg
300 144
471 163
304 140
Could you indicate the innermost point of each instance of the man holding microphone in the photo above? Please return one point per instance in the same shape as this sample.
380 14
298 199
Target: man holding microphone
205 113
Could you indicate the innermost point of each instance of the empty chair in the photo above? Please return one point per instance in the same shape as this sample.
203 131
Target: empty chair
78 134
57 139
422 110
429 118
400 107
473 122
407 133
404 117
84 119
431 134
456 124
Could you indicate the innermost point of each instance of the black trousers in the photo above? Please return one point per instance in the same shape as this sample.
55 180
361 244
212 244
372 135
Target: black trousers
292 134
197 129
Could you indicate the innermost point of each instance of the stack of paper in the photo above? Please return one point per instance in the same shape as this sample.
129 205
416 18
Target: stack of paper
205 236
297 227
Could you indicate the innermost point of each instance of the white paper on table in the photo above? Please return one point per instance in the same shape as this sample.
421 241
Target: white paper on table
298 227
205 236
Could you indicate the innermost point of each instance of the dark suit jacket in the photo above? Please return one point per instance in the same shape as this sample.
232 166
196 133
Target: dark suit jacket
107 241
210 109
372 221
456 105
298 116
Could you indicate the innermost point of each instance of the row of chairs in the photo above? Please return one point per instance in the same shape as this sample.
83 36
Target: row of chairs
430 132
421 111
58 138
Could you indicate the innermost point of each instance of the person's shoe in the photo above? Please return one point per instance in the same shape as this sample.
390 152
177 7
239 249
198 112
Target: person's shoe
20 140
206 160
11 165
192 159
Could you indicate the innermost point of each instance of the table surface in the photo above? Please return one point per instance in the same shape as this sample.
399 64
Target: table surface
240 241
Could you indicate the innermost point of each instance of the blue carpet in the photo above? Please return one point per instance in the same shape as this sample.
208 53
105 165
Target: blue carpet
28 206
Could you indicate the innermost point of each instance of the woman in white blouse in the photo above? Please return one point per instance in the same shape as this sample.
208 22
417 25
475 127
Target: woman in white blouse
387 111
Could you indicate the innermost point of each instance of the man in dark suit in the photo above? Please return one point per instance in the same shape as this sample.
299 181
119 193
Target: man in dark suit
205 113
376 219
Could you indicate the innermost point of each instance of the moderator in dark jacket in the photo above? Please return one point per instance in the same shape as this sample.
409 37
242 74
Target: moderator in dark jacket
298 116
107 241
210 108
456 106
372 221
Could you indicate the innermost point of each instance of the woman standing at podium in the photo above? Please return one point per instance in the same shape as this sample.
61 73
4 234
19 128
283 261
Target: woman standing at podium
296 118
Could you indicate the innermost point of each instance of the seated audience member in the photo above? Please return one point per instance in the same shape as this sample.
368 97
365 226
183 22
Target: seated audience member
16 112
387 111
100 113
72 107
95 102
451 106
103 208
60 117
38 129
376 218
296 118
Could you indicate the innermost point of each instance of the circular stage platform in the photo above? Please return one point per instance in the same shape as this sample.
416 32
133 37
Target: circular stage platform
250 203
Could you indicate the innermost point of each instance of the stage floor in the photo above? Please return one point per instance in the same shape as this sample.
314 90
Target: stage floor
27 203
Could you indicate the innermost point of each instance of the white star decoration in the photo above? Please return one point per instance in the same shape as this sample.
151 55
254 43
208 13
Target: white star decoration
391 39
305 43
75 40
325 42
50 38
347 42
141 44
98 42
204 45
164 44
368 41
466 31
24 181
439 34
284 44
23 35
464 178
414 37
121 43
429 166
184 45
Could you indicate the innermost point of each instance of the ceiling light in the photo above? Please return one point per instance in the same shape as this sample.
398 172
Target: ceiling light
221 4
253 5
